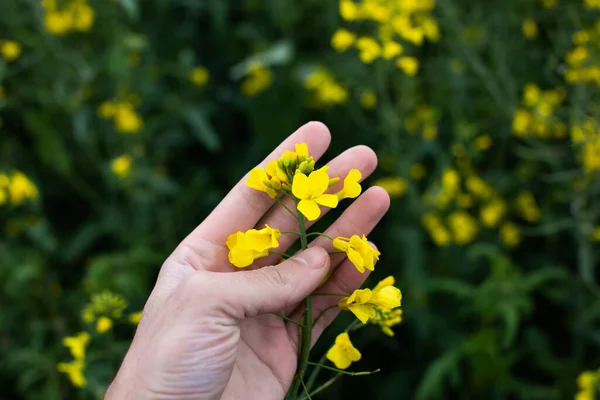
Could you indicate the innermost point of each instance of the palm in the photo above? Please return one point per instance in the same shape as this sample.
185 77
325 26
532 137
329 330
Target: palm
265 348
266 354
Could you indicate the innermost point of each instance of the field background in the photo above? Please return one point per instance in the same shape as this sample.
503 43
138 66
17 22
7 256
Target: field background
123 123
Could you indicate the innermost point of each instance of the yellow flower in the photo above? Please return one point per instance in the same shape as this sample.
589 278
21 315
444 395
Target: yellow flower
74 371
105 303
591 155
492 213
478 187
391 49
349 11
521 122
527 207
351 188
342 39
549 3
510 234
386 320
343 353
417 171
58 22
450 181
121 166
104 324
368 99
82 16
463 227
359 251
483 142
106 110
245 247
585 395
408 65
529 28
259 79
368 48
20 188
134 318
310 190
199 76
126 119
364 303
77 344
395 186
10 50
586 380
531 95
258 179
438 232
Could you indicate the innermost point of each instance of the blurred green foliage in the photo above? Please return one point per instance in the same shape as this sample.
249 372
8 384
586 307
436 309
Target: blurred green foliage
134 118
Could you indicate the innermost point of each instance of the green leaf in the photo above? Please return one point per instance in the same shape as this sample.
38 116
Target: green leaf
49 144
442 368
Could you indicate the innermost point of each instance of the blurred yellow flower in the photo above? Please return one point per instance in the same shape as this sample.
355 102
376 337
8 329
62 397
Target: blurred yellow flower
368 48
483 142
343 353
463 226
58 22
126 119
395 186
591 155
199 76
121 166
82 15
104 304
409 65
327 92
492 212
74 371
391 49
591 3
577 56
527 206
20 188
417 171
10 50
386 320
521 121
104 324
529 28
359 251
549 3
342 40
77 344
349 10
134 318
368 99
510 234
258 80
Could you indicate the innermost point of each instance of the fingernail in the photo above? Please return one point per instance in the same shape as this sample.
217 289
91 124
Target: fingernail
315 257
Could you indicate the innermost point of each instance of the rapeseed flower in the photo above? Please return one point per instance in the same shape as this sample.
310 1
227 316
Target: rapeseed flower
351 188
20 188
408 65
359 251
395 186
104 324
310 190
343 353
368 99
245 247
342 40
121 166
386 320
77 344
10 50
510 234
199 76
364 303
104 304
74 371
258 80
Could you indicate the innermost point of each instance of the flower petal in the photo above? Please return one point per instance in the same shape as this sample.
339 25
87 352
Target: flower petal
364 312
309 209
301 186
327 200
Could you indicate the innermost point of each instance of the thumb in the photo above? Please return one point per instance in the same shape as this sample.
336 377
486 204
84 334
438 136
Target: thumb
273 288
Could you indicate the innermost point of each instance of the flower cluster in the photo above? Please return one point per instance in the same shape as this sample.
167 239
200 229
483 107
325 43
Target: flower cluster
294 179
326 91
16 188
587 383
259 78
75 369
536 116
74 16
585 137
399 24
423 122
102 311
123 114
395 186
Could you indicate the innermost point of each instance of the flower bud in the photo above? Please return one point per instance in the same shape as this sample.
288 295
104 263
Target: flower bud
275 183
333 181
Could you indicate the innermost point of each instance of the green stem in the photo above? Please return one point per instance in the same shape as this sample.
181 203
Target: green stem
287 208
315 372
292 233
304 334
323 386
319 234
305 389
341 371
288 319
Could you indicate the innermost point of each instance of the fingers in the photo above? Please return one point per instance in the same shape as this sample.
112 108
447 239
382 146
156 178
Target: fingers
360 218
269 289
359 157
244 206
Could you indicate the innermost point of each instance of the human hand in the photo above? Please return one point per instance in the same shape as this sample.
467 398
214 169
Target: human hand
207 329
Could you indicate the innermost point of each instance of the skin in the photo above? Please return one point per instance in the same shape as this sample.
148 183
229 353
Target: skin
207 331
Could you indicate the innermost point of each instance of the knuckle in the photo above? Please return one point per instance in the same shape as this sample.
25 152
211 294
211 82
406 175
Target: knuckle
201 256
272 276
